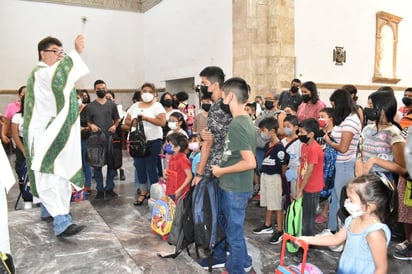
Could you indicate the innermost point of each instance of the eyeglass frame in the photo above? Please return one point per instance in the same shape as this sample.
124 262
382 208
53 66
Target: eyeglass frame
56 51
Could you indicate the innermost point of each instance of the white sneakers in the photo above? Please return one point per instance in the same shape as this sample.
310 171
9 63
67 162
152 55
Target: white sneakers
334 248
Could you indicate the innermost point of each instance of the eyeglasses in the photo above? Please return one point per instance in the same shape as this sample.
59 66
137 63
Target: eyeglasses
56 51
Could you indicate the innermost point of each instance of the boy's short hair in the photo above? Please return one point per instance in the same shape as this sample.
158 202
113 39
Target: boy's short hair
310 125
238 86
329 111
178 139
251 105
293 119
194 136
269 123
213 74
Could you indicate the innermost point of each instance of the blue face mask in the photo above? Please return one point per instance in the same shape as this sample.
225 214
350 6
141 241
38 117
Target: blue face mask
169 149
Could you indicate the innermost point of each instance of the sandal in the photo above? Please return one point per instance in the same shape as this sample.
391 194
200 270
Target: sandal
139 200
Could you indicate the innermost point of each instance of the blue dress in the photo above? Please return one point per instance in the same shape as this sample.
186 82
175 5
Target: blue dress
357 256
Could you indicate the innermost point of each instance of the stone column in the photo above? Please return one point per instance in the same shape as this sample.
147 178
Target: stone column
264 43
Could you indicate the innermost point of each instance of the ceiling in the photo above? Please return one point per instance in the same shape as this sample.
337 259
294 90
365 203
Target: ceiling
140 6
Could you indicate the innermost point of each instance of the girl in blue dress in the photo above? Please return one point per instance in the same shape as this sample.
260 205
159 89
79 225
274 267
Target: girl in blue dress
371 203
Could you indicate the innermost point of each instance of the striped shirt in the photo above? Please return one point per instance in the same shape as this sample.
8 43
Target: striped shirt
351 124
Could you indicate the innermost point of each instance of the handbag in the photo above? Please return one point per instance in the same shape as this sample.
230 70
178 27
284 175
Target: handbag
137 143
407 200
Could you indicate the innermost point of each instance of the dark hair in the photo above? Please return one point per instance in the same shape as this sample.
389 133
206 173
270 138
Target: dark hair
372 188
329 111
22 105
213 74
239 87
293 119
178 139
46 43
310 125
296 80
311 86
21 89
407 90
98 82
137 96
193 136
292 107
251 105
111 93
162 98
344 105
149 85
352 90
269 123
179 116
182 96
81 91
384 100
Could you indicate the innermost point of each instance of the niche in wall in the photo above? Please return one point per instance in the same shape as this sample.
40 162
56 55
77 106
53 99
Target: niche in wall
386 44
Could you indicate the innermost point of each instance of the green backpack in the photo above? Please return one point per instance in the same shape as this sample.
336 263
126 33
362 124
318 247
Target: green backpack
293 223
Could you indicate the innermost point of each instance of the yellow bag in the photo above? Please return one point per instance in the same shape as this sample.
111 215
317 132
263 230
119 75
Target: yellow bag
162 216
407 200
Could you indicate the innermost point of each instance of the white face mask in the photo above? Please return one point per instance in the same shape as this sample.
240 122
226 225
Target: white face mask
287 131
80 102
194 146
172 125
147 97
354 210
264 136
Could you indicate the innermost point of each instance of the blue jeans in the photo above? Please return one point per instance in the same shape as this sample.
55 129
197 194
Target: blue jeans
232 209
98 176
260 155
87 170
60 222
146 167
345 172
310 202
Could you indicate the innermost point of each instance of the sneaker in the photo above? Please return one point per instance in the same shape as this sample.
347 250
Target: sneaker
402 246
276 237
216 263
404 255
334 248
111 194
122 177
28 205
263 230
320 219
248 270
99 195
71 230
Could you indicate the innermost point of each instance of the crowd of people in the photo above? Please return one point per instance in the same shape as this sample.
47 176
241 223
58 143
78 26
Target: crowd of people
276 148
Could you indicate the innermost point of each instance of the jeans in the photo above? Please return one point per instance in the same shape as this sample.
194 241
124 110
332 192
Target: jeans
232 209
60 222
98 176
309 204
87 170
260 155
345 172
146 167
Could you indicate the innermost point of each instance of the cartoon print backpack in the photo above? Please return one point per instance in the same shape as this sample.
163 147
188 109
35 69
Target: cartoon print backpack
293 223
162 216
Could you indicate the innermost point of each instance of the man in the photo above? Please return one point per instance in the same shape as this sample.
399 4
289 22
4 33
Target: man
102 114
236 174
51 131
291 97
11 109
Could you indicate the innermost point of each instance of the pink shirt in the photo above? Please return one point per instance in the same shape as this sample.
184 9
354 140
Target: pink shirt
307 110
12 108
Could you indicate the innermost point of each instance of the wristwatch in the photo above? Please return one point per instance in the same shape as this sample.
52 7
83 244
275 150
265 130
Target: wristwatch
198 175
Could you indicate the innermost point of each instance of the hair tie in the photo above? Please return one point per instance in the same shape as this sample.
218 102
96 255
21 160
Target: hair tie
385 181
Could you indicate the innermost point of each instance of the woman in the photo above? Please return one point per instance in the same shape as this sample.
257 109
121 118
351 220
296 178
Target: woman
311 105
344 139
153 115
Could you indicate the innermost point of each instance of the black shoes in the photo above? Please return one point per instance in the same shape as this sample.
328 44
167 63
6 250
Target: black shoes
72 230
47 219
122 177
110 194
100 195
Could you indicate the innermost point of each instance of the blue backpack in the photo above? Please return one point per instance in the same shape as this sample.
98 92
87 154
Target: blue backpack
329 170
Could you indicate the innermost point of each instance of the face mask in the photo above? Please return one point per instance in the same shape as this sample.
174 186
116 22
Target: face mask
371 114
264 136
322 122
206 94
303 138
172 125
194 146
268 104
287 131
354 210
80 102
225 107
101 93
294 89
306 98
168 103
206 107
110 99
169 149
147 97
407 101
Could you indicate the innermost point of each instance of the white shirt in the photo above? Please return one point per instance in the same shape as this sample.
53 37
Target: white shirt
151 131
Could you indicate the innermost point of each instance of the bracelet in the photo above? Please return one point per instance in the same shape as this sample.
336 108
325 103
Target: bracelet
199 175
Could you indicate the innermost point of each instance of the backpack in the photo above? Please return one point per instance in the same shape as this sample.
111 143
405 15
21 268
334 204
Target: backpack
157 191
293 223
329 171
137 143
97 149
114 152
207 230
162 216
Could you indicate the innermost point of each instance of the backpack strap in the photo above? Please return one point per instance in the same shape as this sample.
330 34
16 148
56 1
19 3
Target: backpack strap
291 142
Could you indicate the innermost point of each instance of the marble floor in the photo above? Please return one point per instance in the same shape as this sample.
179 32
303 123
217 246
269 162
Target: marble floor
118 239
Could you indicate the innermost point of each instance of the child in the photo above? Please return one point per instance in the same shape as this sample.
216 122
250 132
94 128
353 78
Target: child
371 203
273 170
310 177
194 146
293 148
178 163
250 109
177 124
